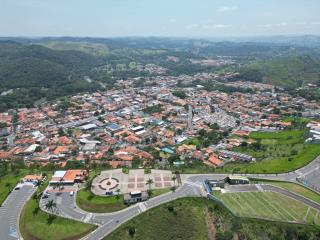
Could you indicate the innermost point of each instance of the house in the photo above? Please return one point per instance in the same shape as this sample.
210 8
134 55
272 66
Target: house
68 177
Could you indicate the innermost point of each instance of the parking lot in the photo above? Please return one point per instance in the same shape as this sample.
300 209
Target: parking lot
9 212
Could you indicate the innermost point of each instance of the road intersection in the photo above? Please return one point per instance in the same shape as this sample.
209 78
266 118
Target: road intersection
192 186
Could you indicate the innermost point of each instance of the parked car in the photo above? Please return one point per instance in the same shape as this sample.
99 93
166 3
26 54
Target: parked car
71 193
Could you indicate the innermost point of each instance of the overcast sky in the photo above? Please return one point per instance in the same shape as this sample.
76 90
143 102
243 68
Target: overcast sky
177 18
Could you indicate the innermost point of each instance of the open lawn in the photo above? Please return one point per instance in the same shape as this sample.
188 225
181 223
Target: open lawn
277 164
270 205
90 202
287 137
35 224
180 219
296 188
7 183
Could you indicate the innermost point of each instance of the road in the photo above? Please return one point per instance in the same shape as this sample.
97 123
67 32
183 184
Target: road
108 222
192 186
10 211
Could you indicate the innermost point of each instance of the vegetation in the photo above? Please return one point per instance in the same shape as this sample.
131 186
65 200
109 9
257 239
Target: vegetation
90 202
275 152
269 205
35 224
86 47
196 219
180 94
291 71
181 219
296 188
7 183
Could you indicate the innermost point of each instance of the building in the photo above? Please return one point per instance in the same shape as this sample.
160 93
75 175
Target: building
235 180
68 177
135 196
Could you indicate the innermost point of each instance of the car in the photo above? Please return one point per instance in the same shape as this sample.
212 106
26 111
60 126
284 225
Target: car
71 193
109 193
46 195
18 187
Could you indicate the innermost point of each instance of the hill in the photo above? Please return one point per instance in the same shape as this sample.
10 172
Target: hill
32 72
94 49
289 72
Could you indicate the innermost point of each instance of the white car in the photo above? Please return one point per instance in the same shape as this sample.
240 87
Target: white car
71 193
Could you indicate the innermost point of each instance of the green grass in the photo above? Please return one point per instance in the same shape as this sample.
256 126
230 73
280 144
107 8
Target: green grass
180 219
296 188
90 202
35 224
276 165
7 183
160 191
282 137
95 49
269 205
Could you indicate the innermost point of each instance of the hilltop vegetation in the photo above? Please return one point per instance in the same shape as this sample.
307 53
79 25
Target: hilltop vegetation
47 68
289 72
94 49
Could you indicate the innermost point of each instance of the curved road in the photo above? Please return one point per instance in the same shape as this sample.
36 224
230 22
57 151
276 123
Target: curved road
107 222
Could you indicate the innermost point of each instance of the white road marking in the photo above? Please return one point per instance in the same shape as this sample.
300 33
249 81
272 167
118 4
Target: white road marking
142 207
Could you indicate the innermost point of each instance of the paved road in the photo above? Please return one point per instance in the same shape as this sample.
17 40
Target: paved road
66 207
108 222
9 212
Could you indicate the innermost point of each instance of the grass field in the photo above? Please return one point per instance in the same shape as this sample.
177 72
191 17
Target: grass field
280 152
7 183
270 205
90 202
296 188
181 219
276 165
35 224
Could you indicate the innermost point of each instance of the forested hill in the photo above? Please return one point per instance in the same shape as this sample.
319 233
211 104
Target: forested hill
289 72
33 72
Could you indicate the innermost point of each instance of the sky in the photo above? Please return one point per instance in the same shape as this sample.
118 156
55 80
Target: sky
169 18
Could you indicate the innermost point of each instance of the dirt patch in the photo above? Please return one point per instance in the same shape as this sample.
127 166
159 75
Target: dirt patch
212 231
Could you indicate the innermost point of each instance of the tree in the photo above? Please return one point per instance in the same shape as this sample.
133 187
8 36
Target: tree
174 180
149 182
50 205
9 186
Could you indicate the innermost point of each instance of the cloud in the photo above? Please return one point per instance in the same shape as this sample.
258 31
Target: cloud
283 24
172 20
267 25
192 26
227 8
315 23
222 26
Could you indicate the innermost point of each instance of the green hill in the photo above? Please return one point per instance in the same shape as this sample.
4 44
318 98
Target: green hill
288 72
34 72
94 49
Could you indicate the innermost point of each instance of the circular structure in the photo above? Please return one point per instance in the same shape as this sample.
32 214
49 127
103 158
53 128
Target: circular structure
108 184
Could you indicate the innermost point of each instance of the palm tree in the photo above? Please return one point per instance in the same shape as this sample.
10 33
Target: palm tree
50 205
174 180
149 182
